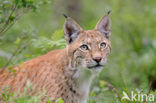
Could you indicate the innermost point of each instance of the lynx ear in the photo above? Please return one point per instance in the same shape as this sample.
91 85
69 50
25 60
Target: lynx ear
71 30
103 25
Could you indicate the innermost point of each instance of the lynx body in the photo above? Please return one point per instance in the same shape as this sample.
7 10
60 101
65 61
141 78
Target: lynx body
66 73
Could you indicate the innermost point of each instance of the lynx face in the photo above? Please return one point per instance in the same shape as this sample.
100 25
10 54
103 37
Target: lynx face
92 50
88 48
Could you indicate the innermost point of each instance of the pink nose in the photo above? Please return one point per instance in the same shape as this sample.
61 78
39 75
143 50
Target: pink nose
97 59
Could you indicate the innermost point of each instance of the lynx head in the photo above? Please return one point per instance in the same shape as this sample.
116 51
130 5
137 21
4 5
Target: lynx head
88 48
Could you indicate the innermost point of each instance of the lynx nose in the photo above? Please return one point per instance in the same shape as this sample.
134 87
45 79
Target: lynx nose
97 59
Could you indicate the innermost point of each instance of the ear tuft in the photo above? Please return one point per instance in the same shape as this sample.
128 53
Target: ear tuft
65 15
108 12
103 25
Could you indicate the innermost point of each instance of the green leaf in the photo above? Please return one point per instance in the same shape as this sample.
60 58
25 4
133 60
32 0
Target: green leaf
12 18
18 40
59 100
102 84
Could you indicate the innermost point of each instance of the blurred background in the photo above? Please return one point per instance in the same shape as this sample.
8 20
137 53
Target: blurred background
30 28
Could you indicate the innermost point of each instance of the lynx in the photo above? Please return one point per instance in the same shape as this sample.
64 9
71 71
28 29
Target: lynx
66 73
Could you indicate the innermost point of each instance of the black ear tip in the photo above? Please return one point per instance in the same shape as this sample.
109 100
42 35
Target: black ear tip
109 12
65 15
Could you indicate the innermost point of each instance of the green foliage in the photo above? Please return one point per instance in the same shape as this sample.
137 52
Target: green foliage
132 63
12 10
45 44
26 96
59 100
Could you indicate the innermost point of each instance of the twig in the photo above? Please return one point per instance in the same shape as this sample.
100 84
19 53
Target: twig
7 21
112 88
6 26
16 52
17 18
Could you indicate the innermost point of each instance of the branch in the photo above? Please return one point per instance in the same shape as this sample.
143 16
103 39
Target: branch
6 25
16 19
15 53
7 21
113 89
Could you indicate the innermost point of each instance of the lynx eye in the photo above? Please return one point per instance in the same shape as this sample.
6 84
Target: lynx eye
84 47
103 45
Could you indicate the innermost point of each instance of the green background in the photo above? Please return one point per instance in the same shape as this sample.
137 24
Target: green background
132 63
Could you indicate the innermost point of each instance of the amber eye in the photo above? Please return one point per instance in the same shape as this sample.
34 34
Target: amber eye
103 45
84 47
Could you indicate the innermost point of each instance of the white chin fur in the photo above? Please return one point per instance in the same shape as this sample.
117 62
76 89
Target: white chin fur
96 69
